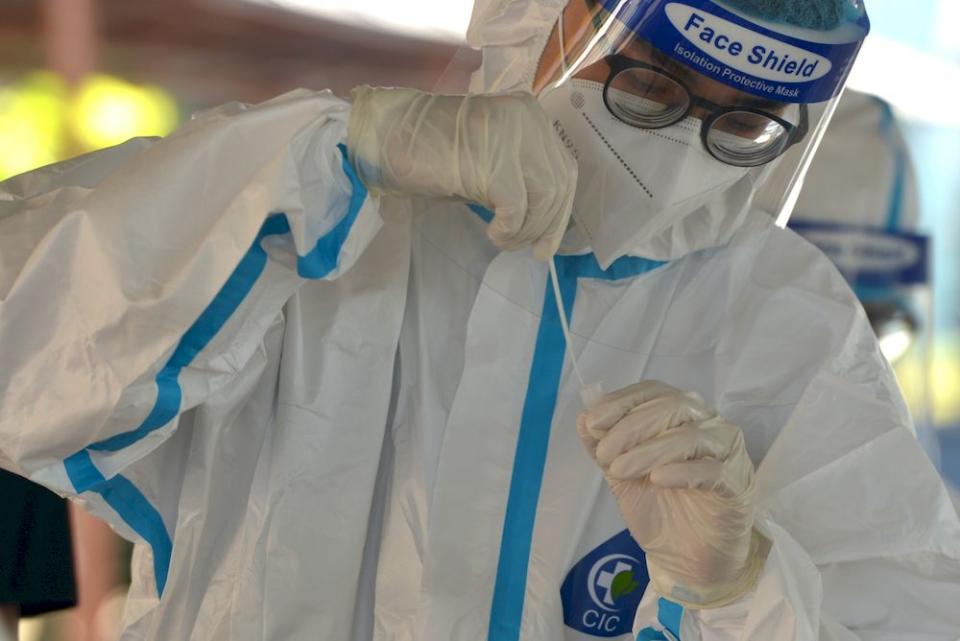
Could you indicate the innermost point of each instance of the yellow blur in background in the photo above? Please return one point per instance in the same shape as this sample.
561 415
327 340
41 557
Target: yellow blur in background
936 391
42 121
106 111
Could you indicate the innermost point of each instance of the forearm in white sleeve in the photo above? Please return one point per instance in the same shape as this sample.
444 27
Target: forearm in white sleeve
137 280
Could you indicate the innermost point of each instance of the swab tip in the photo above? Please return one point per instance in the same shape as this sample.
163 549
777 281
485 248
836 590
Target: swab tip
591 394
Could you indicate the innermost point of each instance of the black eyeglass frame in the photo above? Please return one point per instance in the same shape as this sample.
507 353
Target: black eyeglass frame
795 132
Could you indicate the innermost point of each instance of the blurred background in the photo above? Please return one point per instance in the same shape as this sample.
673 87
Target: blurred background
77 75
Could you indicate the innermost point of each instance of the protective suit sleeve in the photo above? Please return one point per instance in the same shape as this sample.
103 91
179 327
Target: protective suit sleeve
137 281
865 543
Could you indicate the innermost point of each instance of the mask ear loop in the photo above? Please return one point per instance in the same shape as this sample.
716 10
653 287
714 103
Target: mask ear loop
563 50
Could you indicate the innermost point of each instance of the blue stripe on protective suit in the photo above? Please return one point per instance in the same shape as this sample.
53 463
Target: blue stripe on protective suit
528 464
669 614
531 452
485 214
317 263
136 511
895 205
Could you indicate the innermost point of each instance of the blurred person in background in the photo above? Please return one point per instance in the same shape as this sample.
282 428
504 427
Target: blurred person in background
220 341
100 557
36 559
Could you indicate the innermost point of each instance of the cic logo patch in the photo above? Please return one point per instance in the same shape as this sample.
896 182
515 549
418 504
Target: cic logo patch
601 592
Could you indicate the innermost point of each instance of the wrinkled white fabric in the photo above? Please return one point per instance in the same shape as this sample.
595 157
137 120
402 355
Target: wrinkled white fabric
815 399
153 290
494 150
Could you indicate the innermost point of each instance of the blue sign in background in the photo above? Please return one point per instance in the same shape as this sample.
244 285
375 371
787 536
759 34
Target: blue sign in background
896 273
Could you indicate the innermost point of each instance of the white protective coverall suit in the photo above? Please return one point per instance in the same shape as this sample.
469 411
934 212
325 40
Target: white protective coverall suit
209 338
860 199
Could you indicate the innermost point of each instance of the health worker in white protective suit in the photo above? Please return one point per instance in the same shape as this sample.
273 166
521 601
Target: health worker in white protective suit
279 351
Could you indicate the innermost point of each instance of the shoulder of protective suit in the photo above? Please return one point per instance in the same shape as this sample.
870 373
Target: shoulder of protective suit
85 171
790 314
89 170
774 258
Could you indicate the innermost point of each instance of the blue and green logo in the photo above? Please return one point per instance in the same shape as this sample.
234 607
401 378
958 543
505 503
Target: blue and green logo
601 592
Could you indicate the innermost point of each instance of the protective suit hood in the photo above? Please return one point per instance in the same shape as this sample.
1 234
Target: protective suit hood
512 35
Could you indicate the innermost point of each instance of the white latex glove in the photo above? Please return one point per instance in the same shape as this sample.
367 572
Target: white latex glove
684 485
499 151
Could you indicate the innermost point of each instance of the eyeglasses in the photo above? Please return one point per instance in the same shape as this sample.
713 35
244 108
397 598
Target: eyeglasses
649 97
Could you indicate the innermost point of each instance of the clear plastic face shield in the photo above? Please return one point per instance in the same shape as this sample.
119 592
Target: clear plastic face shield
677 112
